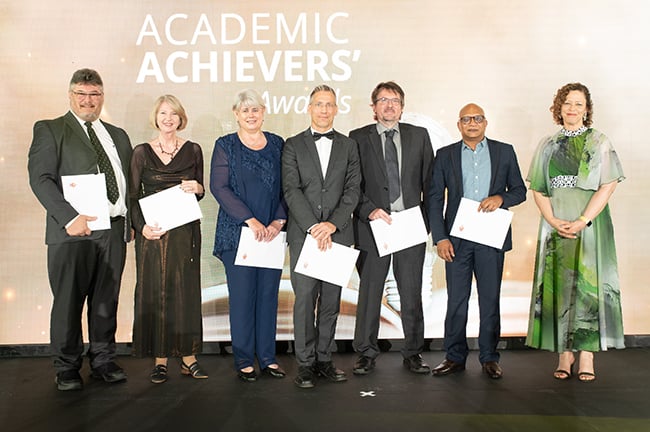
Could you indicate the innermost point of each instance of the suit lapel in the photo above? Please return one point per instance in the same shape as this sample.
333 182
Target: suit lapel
494 163
378 151
71 121
457 166
310 145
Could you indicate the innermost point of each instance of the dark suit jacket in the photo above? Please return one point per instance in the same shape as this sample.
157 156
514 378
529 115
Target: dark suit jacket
310 197
61 147
505 181
415 175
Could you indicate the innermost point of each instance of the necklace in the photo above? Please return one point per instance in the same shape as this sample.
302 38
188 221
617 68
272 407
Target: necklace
574 133
173 152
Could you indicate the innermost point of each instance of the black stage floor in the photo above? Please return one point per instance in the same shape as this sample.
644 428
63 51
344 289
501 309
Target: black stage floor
391 399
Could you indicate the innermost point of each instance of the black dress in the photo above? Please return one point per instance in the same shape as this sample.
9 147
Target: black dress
167 320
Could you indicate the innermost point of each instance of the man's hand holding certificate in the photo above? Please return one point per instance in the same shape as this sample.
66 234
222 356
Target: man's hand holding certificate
406 229
488 228
87 194
170 208
333 265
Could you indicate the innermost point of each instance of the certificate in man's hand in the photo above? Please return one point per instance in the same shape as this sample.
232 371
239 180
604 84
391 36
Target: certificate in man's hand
333 265
488 228
253 253
87 194
407 229
170 208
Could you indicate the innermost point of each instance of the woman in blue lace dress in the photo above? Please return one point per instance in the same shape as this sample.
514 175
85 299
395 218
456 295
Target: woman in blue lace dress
576 304
245 179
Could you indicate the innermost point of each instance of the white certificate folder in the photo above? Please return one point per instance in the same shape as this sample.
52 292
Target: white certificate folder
170 208
86 193
253 253
334 265
407 229
488 228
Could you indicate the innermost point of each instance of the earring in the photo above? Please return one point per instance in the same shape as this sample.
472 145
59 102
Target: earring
584 117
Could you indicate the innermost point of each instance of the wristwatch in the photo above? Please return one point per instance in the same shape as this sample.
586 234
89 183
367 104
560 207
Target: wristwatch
585 220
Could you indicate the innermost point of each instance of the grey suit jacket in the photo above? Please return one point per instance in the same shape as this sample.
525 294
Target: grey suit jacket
505 181
61 147
415 175
312 198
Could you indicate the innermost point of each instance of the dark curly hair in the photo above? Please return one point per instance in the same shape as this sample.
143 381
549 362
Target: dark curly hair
560 97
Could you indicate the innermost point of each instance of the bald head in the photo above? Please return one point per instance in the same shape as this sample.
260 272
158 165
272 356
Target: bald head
471 109
472 124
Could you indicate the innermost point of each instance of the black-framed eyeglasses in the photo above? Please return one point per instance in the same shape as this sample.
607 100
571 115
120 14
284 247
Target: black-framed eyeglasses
467 119
385 100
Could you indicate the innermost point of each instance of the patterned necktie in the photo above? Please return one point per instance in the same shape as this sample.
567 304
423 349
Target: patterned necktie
392 167
104 165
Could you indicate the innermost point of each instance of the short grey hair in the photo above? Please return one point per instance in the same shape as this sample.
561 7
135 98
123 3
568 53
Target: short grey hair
248 98
320 88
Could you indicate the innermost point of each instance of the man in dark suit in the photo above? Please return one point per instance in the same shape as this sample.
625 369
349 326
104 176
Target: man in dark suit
320 179
82 264
486 171
409 167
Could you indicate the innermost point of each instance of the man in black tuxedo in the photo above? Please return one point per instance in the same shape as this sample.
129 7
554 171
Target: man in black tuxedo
82 264
396 161
486 171
320 179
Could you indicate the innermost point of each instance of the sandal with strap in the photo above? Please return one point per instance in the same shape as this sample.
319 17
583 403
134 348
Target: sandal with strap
193 370
159 374
586 376
562 374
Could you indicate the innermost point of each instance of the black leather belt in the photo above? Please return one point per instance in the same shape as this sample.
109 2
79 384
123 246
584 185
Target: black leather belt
116 218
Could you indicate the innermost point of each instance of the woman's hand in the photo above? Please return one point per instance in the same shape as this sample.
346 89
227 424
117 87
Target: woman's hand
273 229
259 230
191 186
153 232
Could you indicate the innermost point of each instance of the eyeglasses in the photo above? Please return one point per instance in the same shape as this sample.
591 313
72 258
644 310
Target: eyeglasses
82 95
328 106
467 119
385 100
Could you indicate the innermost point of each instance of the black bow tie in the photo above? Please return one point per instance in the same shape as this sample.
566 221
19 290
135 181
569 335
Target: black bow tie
329 135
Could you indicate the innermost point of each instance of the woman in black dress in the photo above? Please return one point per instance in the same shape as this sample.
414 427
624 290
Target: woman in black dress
167 320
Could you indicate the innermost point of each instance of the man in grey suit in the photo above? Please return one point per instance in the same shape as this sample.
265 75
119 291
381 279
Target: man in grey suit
320 179
396 161
486 171
82 264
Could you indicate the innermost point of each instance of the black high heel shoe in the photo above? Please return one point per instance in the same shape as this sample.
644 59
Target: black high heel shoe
193 370
159 374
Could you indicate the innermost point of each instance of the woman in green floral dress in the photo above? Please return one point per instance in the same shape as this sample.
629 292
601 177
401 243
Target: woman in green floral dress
576 304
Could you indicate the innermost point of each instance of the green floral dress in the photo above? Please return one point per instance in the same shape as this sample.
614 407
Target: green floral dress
576 302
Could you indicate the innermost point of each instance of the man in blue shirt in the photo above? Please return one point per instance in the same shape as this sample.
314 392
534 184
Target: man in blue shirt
486 171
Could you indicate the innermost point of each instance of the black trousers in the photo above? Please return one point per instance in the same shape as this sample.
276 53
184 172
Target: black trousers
85 271
486 265
407 268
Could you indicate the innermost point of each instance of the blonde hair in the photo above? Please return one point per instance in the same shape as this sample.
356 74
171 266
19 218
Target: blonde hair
176 106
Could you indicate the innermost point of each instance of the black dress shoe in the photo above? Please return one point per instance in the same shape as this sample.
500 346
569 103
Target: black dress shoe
247 376
328 370
364 365
492 369
448 367
276 372
68 380
416 364
193 370
109 372
305 378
